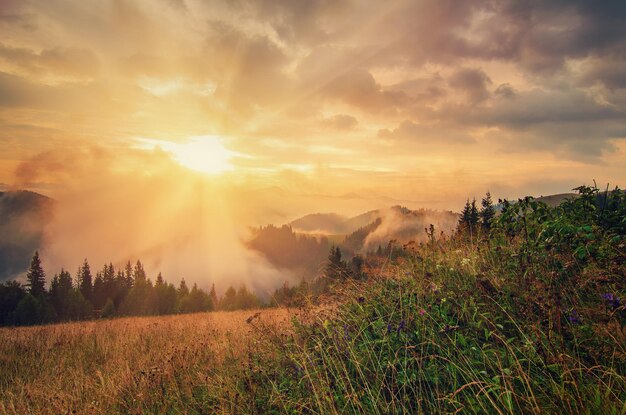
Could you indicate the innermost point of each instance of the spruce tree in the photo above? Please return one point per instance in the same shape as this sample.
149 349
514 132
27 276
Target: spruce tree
335 267
465 218
60 292
129 275
36 277
474 216
139 274
98 294
487 212
85 281
183 290
110 286
213 297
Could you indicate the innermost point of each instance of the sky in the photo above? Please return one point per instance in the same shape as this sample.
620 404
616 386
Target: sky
280 108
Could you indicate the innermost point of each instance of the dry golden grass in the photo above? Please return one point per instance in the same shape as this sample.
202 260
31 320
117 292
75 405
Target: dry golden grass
169 364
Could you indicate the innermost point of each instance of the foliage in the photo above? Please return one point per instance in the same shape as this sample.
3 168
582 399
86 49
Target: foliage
36 277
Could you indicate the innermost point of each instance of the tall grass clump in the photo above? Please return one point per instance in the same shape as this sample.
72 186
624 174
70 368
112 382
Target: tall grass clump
528 317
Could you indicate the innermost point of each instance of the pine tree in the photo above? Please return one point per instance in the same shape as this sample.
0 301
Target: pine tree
229 300
213 297
487 212
356 266
129 275
98 295
85 283
60 292
139 275
109 284
183 290
36 277
474 216
465 218
335 267
159 281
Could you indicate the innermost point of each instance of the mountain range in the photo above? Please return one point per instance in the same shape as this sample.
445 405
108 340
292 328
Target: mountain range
23 217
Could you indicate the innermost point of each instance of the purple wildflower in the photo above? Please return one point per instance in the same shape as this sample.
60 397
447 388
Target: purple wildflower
361 300
346 332
612 300
574 317
401 326
422 312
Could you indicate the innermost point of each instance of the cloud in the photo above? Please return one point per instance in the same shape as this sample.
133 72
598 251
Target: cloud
341 122
610 73
505 90
425 135
472 82
58 62
359 89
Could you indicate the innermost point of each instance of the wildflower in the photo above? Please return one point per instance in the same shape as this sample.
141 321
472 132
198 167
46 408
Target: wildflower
433 288
465 261
361 300
401 326
612 300
574 317
422 312
346 332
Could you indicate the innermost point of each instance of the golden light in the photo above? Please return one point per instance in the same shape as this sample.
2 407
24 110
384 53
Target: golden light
205 154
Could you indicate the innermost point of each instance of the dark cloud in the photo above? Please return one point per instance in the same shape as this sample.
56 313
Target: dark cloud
539 107
359 89
472 82
541 36
505 90
610 73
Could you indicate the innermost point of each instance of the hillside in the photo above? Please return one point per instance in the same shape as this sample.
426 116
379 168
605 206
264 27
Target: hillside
557 199
334 224
23 217
327 223
303 246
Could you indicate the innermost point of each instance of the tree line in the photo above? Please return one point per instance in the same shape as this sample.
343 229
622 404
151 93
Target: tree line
123 292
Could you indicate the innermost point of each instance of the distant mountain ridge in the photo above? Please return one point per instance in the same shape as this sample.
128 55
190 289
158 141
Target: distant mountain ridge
333 223
23 217
303 244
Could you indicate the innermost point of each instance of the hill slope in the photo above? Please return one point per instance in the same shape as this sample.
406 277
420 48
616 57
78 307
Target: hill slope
23 217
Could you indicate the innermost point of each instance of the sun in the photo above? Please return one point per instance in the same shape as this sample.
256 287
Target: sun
205 154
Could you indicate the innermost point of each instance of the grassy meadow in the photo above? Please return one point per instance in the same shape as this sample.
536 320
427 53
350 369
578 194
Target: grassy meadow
172 364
